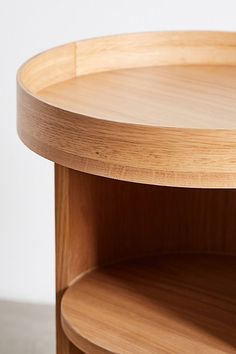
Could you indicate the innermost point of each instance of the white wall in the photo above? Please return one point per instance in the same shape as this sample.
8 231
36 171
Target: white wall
26 188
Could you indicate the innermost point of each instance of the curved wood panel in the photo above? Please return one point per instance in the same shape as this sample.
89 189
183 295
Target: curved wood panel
169 304
156 125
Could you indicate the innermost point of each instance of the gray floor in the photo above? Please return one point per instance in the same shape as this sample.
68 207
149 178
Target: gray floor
26 328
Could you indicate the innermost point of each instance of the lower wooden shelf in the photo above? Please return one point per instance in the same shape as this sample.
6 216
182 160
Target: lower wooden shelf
163 304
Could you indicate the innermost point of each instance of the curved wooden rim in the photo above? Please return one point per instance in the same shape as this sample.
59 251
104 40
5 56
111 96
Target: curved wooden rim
203 46
133 152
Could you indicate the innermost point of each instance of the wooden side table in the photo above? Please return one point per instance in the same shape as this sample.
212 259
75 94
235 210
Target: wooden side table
142 130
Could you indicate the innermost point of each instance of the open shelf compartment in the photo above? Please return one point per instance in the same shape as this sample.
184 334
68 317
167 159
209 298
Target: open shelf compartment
121 299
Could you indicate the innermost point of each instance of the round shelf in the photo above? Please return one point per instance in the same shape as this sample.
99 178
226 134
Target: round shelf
167 304
155 108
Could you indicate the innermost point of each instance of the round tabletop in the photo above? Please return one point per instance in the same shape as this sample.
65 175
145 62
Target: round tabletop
155 108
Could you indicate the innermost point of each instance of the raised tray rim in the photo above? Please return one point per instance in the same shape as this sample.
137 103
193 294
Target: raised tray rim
215 167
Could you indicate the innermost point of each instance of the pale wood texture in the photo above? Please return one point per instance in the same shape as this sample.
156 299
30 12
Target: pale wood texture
169 304
44 69
63 253
157 124
101 221
201 97
153 108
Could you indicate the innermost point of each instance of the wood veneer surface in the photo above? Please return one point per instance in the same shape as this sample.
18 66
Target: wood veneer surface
169 304
165 96
154 108
101 221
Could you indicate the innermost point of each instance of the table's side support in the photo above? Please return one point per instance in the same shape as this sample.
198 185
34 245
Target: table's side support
82 205
62 252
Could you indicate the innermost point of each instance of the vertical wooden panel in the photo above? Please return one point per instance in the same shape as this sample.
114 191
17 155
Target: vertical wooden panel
63 252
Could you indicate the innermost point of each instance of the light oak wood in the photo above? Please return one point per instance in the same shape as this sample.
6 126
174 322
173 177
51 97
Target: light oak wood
101 221
165 96
169 304
64 248
154 108
158 109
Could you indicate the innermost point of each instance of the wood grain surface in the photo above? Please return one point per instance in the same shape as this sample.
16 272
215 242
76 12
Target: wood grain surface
154 108
157 109
101 221
169 304
194 96
64 248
